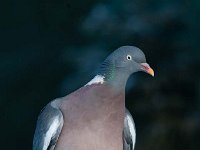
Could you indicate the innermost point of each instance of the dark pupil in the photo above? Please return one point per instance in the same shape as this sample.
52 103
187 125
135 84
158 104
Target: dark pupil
129 57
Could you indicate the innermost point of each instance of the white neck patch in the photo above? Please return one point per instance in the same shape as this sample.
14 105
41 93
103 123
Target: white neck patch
97 79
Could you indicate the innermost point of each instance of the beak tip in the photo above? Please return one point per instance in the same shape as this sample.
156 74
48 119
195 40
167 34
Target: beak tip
151 72
148 69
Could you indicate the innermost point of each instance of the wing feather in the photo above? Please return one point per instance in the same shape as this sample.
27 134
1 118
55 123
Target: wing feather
48 128
129 134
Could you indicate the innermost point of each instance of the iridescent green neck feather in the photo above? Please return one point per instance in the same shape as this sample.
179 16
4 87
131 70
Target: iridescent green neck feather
114 76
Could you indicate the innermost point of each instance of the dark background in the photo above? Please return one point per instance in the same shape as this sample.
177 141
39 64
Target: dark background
49 48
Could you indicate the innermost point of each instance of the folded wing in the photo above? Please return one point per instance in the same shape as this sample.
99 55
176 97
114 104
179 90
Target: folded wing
48 129
129 134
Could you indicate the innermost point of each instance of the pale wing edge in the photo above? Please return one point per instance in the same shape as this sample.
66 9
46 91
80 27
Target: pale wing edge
129 132
48 128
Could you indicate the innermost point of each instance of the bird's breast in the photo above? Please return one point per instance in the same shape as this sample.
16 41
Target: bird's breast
97 134
92 123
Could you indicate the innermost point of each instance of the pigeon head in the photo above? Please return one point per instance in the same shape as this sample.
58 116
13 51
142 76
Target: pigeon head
123 62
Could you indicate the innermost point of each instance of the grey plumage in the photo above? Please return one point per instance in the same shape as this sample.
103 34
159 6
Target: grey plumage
50 113
47 130
129 133
94 116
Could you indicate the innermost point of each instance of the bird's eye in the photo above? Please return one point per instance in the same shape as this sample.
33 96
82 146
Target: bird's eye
129 57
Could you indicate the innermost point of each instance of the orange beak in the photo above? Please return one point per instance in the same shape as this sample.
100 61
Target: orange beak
147 69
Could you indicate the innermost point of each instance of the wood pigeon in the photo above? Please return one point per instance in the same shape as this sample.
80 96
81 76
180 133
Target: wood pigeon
94 117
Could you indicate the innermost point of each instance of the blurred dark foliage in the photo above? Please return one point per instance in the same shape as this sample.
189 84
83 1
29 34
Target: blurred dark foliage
51 47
